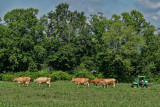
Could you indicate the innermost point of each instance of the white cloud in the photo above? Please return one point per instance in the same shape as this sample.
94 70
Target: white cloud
93 9
158 13
149 4
68 0
155 18
95 0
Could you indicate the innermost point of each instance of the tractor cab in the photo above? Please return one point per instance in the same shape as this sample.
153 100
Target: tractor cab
141 81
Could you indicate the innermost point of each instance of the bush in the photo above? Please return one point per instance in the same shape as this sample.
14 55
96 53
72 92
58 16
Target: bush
55 75
99 75
33 75
43 73
60 75
154 78
7 77
85 74
1 76
22 74
158 81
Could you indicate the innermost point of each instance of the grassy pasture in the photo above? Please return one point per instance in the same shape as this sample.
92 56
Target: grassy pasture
66 94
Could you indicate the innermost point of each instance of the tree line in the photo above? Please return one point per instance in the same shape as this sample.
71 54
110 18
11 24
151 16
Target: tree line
121 47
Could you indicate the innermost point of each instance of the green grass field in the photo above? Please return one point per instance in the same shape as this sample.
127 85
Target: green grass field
66 94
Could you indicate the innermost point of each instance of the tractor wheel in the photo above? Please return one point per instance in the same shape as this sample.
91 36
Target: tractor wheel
135 86
148 86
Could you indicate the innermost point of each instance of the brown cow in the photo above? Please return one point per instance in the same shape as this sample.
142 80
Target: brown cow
109 81
96 81
23 80
43 80
83 81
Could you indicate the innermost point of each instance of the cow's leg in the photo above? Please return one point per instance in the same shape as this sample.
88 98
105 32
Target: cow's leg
27 83
49 85
23 84
114 85
103 85
96 85
87 84
77 85
39 84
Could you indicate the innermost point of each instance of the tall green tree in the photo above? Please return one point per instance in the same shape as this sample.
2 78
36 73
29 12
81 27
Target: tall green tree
149 52
26 34
67 29
147 56
135 19
5 46
118 57
121 47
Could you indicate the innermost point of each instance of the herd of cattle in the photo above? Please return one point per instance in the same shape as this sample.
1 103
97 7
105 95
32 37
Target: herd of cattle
78 81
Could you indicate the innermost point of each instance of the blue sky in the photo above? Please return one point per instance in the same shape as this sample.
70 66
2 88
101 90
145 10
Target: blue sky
149 8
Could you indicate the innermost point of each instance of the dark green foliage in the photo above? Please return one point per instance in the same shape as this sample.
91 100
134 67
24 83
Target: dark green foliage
33 75
60 75
55 75
84 74
7 77
64 59
63 40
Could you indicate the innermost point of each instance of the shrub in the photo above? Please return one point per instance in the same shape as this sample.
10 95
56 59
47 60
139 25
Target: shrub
1 76
22 74
158 81
100 75
43 73
7 77
85 74
154 78
60 75
33 75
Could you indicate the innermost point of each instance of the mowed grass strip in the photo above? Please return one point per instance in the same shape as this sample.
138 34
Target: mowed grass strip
66 94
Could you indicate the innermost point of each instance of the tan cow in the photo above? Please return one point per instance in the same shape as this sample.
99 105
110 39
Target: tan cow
96 81
83 81
46 80
109 81
23 80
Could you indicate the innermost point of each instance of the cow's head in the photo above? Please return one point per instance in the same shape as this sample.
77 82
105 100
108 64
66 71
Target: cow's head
73 79
101 81
35 80
15 79
91 81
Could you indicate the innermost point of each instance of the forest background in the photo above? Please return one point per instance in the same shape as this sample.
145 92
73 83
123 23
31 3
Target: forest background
63 44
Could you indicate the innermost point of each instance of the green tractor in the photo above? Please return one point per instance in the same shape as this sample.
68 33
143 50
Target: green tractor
141 82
